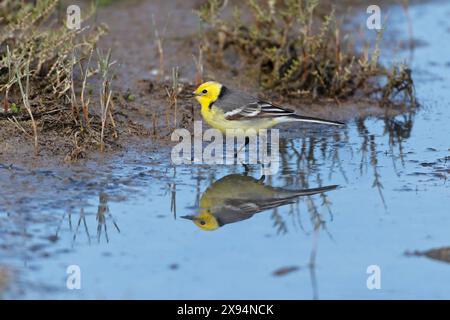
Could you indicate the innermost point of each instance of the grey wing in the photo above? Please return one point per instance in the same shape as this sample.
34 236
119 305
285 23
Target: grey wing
231 100
239 105
251 207
229 214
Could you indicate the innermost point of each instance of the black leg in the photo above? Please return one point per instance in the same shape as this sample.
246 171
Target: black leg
263 176
246 168
247 141
261 180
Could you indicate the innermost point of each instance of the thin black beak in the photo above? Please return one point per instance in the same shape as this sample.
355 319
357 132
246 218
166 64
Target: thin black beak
188 217
191 95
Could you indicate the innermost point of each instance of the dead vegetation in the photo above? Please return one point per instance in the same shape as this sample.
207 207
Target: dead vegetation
54 83
296 50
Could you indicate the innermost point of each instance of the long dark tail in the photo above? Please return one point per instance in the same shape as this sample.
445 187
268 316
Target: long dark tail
296 117
285 196
308 192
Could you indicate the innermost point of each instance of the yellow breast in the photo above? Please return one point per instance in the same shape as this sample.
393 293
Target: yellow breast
216 119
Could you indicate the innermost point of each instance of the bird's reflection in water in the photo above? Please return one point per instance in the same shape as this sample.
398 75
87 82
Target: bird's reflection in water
237 197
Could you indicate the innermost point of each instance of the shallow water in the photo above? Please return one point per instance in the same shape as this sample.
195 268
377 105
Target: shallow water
125 232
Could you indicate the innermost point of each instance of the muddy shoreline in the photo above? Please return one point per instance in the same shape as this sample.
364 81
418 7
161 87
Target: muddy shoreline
142 107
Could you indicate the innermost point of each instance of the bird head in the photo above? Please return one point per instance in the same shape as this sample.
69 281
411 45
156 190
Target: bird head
207 92
205 221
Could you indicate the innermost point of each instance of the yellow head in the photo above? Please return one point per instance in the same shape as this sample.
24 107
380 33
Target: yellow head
205 221
207 93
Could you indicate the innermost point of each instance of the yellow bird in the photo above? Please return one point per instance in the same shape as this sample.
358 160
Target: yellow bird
223 108
237 197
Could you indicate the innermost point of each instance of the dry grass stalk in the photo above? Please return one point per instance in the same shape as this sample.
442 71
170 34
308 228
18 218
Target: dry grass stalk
154 125
26 102
172 95
104 67
198 66
159 39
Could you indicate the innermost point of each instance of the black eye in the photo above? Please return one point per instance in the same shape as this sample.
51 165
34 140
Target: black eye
205 91
202 222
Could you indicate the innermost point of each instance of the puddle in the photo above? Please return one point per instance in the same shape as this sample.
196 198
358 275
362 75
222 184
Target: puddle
120 219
